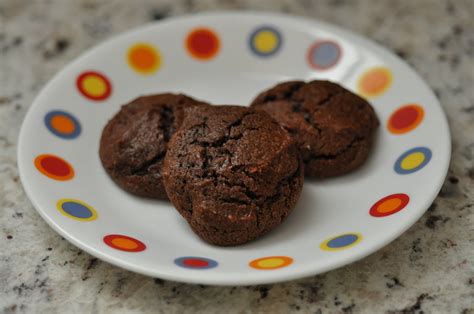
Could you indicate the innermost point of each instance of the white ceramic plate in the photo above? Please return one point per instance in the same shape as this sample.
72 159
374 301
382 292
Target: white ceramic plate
229 58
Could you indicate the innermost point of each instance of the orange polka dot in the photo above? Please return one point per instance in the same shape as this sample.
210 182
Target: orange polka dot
375 82
124 243
389 205
63 124
144 58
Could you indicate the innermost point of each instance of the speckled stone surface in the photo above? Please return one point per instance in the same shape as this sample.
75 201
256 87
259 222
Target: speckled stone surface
428 269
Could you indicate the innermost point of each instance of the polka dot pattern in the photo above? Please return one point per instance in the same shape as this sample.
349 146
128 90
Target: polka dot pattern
76 209
413 160
341 242
54 167
389 205
375 82
265 41
124 243
202 44
324 54
271 262
405 119
193 262
62 124
144 58
94 85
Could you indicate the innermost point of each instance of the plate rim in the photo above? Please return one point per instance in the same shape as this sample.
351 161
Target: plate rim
219 279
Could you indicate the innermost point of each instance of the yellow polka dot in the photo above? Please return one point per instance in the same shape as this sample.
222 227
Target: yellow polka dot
389 205
271 263
124 243
412 161
265 41
94 86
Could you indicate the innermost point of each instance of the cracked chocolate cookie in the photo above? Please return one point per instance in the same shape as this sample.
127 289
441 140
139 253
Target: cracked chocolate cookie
134 142
333 127
233 173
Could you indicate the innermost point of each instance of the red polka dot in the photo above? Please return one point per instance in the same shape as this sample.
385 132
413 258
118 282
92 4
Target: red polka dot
54 167
195 263
203 43
405 119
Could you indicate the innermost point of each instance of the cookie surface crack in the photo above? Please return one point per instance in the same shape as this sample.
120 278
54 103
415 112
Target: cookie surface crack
143 169
167 120
353 143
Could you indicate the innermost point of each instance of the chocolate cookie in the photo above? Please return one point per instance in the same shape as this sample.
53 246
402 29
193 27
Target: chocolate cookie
333 127
134 142
233 173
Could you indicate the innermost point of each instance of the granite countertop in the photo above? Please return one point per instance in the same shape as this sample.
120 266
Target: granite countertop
430 268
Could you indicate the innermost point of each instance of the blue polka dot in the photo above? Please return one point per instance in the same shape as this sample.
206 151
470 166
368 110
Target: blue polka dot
426 152
65 135
77 210
194 262
323 55
343 240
